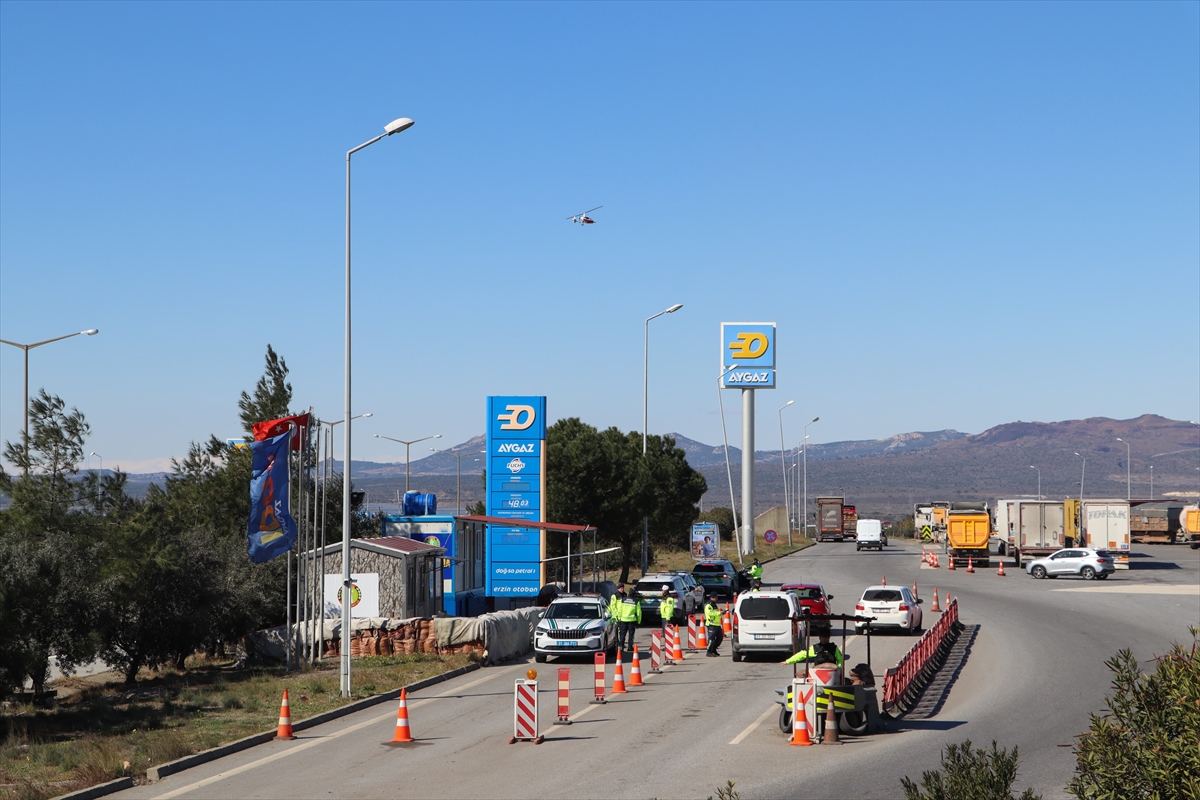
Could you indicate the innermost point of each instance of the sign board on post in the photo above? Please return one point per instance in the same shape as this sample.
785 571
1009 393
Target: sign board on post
751 347
706 540
770 536
364 595
516 440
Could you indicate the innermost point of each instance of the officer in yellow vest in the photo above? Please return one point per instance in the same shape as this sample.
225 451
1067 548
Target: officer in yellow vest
712 621
629 614
666 608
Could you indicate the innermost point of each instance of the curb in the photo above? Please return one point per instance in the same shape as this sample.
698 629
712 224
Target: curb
99 790
203 757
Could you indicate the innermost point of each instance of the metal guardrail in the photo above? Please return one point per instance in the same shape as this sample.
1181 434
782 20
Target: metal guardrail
902 678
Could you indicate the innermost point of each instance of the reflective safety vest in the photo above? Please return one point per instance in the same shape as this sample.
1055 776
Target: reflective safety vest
667 608
613 602
629 610
812 652
755 571
712 615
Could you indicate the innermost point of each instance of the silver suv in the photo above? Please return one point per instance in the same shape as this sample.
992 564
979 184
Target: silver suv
690 599
574 624
1082 561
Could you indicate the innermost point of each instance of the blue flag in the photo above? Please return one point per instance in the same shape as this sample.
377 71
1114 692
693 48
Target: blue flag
271 529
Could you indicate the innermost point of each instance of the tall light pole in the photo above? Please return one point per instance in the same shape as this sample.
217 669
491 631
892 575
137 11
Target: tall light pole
339 422
97 455
804 512
395 126
27 348
783 464
1151 481
737 536
1039 472
458 474
1128 490
645 416
1082 470
408 445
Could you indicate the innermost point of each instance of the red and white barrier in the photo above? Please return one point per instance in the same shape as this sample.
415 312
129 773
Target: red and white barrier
564 696
692 633
899 679
525 713
656 651
599 680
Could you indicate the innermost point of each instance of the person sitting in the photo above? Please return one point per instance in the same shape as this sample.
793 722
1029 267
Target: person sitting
823 652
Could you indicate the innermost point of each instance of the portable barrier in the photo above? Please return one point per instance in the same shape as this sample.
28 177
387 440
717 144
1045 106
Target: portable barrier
599 679
525 713
564 696
902 678
691 646
801 692
656 651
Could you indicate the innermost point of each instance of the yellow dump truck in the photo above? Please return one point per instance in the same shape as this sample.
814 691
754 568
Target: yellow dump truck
1189 522
968 530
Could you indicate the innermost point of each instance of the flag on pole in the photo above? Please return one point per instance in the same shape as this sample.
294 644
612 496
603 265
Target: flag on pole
275 427
271 529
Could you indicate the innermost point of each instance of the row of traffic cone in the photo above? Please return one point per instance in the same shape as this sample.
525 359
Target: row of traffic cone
403 733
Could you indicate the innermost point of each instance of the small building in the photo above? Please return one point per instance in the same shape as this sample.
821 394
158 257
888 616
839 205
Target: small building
407 577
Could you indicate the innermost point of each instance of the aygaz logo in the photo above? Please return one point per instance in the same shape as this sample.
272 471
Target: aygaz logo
749 345
748 354
517 418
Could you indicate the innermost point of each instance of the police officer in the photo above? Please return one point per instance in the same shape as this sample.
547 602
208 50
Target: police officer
755 571
712 621
756 586
824 652
666 608
629 614
615 600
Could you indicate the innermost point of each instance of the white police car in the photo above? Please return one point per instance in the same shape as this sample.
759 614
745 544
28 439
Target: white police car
575 624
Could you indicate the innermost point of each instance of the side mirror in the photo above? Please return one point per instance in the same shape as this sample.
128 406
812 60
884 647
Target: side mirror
920 600
828 597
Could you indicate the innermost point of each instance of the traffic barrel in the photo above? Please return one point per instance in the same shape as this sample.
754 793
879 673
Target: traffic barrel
635 669
676 647
285 719
619 676
564 696
970 566
935 606
599 679
1000 572
656 651
403 734
800 736
691 644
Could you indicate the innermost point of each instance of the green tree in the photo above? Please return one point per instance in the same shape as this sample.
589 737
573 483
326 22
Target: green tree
667 489
968 774
272 395
1147 747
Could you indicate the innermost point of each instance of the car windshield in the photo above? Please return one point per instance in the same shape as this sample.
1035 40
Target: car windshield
573 611
652 588
807 593
710 568
881 595
764 608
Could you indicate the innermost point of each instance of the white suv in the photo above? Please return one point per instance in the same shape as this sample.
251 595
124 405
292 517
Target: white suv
574 624
766 622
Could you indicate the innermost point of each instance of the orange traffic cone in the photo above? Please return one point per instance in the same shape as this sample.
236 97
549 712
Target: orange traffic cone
970 566
726 621
285 719
947 599
676 647
935 606
403 734
635 671
702 638
937 562
619 677
1000 572
799 726
951 564
915 592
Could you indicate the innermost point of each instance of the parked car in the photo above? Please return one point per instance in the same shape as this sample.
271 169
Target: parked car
870 535
892 607
717 576
574 624
1084 562
606 589
649 592
765 622
812 597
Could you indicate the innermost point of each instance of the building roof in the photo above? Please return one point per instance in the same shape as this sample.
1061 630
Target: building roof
396 546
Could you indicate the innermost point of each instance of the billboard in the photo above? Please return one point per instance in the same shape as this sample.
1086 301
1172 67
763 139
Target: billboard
516 439
706 540
750 346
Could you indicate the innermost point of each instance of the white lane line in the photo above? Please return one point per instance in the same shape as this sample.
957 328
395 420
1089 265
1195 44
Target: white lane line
1140 588
314 742
754 724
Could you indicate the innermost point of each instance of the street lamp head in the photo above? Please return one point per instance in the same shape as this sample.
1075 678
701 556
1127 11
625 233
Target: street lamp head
368 414
376 435
815 419
437 436
1031 466
91 331
674 308
1119 439
788 403
397 125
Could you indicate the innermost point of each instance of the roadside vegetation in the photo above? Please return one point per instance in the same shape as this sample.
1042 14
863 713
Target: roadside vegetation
107 729
968 774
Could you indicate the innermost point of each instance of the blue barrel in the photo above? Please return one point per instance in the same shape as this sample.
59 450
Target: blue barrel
418 504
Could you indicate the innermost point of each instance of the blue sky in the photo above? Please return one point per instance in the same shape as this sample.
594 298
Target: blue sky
959 215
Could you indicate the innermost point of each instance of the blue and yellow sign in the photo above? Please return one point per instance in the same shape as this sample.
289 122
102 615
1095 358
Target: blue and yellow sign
750 348
516 437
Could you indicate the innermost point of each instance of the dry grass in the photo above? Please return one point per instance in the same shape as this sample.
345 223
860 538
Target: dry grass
108 731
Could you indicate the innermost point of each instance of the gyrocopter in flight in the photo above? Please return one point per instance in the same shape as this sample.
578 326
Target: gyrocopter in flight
584 219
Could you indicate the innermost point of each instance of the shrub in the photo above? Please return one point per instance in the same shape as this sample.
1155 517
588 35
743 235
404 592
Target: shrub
969 775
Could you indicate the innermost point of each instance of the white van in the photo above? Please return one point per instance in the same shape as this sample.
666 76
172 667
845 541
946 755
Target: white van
766 622
870 534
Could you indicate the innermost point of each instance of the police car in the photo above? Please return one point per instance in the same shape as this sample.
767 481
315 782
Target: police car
574 624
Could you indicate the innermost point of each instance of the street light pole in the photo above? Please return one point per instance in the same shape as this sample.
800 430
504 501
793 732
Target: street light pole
458 474
1151 481
27 348
1082 470
1039 472
395 126
804 512
783 464
645 416
1128 490
407 445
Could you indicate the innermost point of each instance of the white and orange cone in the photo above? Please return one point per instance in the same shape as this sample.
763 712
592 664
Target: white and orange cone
970 566
635 669
799 725
619 677
285 719
1000 572
676 646
403 734
935 606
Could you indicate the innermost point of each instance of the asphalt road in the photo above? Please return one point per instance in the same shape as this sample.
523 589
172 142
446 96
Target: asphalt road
1033 672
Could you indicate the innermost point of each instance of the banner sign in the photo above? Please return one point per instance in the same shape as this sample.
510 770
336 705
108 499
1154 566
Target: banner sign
271 529
706 540
364 595
516 437
750 347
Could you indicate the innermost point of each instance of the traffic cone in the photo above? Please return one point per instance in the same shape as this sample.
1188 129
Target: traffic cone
970 566
950 565
635 670
403 734
676 647
285 719
935 606
947 599
702 638
915 592
884 581
619 677
726 622
799 726
1000 572
937 562
831 729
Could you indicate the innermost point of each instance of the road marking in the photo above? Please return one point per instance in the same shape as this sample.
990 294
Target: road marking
314 742
1141 588
754 725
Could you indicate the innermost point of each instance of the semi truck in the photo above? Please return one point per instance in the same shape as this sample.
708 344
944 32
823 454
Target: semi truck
849 522
1104 525
968 530
929 520
830 523
1156 522
1035 528
1189 524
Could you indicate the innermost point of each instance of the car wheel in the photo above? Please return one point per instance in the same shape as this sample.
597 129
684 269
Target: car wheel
1102 576
1087 573
785 720
738 656
1038 572
539 658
